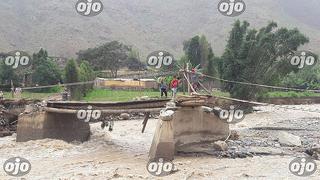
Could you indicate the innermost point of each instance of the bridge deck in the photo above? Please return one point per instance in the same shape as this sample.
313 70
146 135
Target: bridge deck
145 104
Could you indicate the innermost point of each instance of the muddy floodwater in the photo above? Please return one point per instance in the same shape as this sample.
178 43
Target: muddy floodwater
123 153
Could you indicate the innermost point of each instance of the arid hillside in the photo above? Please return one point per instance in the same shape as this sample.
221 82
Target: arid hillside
148 25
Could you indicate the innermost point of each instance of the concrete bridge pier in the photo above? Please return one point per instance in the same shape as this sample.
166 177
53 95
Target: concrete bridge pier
42 125
186 126
163 141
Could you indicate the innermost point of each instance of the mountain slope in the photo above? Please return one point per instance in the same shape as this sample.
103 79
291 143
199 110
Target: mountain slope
148 25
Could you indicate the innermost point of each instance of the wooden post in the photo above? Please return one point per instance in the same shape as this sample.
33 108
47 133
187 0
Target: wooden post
12 89
145 121
186 75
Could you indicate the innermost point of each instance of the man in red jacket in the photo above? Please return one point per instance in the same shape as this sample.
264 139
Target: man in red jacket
174 86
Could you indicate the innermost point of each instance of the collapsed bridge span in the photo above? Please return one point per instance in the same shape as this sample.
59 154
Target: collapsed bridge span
187 120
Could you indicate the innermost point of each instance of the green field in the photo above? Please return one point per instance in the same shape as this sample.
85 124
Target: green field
291 94
275 94
30 95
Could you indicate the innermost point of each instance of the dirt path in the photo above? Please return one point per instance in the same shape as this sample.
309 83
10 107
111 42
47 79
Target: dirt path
122 154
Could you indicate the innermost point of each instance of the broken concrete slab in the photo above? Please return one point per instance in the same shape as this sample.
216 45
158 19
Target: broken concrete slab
288 139
265 150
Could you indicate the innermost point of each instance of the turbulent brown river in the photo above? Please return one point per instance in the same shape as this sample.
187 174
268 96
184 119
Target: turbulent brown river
123 153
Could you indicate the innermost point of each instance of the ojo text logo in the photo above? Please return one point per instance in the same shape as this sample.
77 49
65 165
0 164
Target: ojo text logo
159 58
302 166
302 59
160 167
89 7
232 115
17 166
16 59
87 115
231 7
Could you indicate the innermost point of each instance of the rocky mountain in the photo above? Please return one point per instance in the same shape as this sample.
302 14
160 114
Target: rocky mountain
148 25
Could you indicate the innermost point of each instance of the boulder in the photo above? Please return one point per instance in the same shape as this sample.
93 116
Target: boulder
220 146
125 116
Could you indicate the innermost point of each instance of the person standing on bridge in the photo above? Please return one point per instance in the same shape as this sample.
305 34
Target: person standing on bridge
195 79
174 86
18 92
163 87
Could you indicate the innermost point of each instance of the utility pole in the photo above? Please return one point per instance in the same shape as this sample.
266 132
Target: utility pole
187 76
12 89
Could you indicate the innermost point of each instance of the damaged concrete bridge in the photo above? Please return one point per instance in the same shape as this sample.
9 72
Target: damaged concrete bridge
187 120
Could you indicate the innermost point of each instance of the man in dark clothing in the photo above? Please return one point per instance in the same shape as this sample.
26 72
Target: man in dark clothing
163 88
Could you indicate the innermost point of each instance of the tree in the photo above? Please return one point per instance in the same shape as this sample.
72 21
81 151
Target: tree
308 77
39 58
110 56
199 51
134 63
86 74
258 57
192 50
7 74
71 76
46 74
44 70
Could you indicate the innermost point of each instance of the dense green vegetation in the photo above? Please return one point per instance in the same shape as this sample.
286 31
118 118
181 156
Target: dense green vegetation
198 52
292 94
112 56
44 70
258 56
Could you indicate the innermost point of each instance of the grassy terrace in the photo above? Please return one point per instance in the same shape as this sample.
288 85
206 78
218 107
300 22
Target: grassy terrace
30 95
291 94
